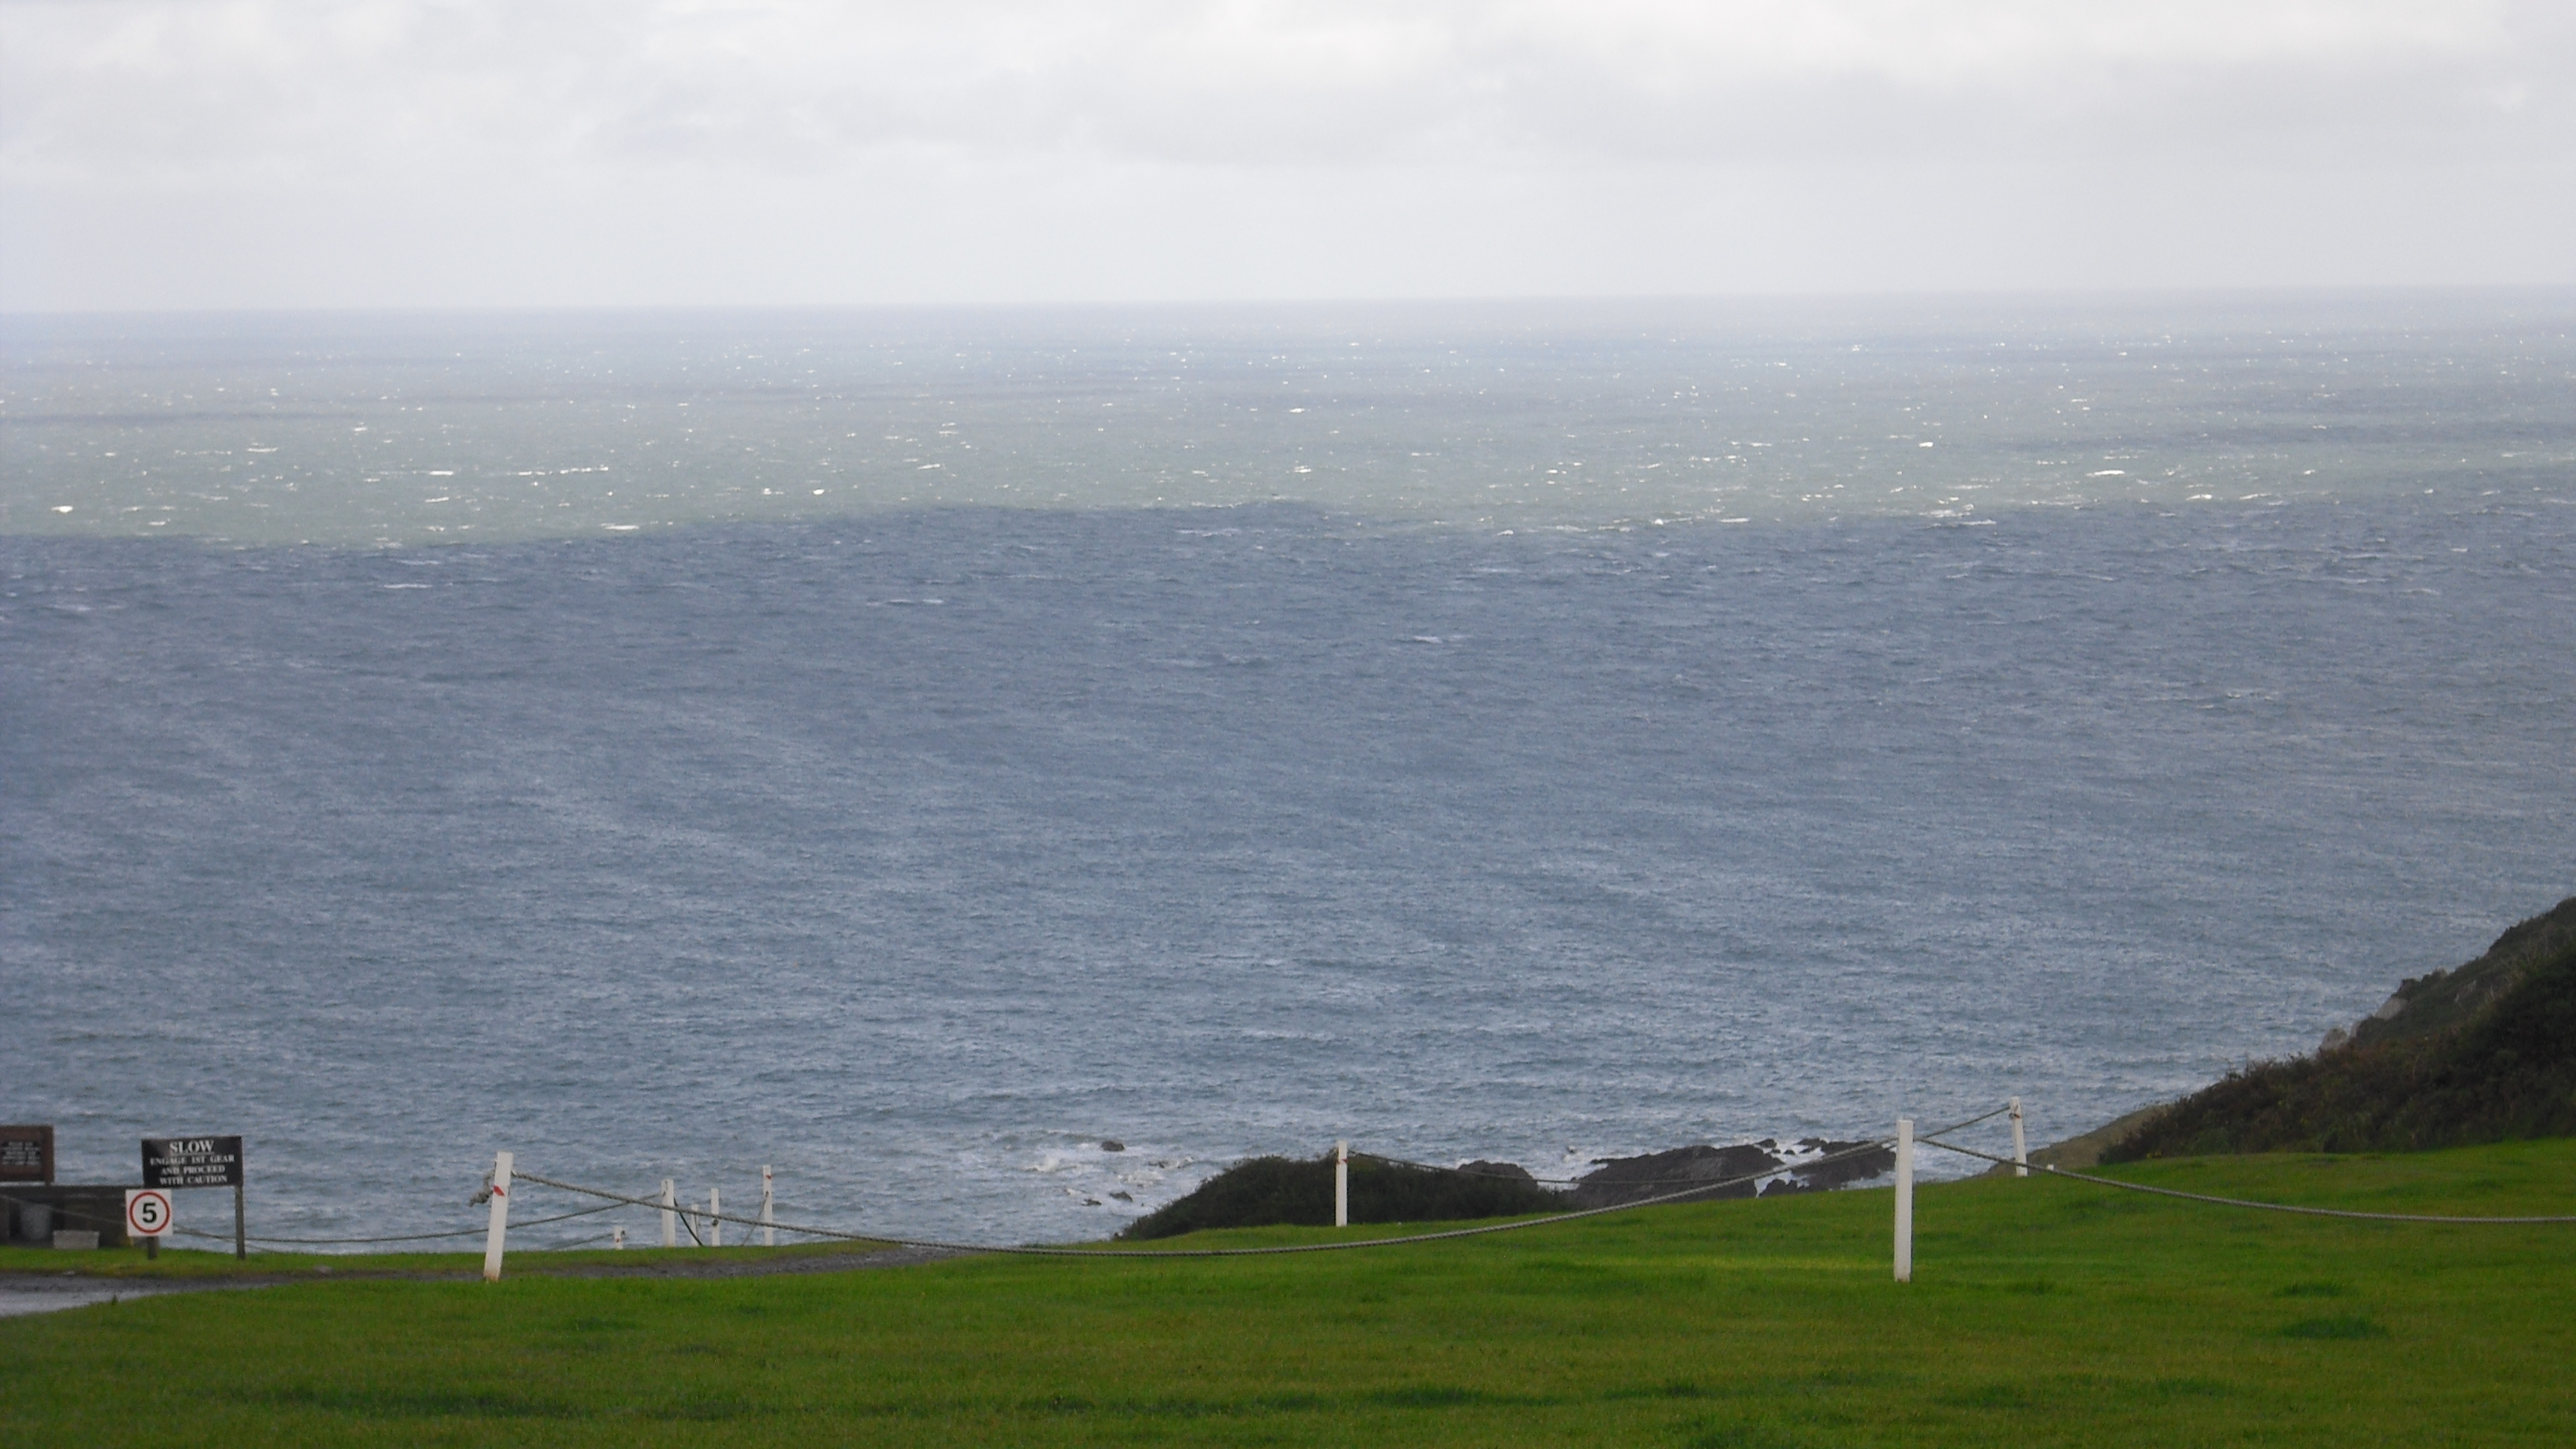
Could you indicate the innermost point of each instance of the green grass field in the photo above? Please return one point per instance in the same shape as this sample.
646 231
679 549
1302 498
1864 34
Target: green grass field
2043 1312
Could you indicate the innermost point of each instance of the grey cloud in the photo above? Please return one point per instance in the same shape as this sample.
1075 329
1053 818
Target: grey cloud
159 151
145 88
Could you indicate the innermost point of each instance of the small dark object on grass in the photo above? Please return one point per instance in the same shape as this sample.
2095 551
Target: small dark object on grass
2311 1290
2351 1325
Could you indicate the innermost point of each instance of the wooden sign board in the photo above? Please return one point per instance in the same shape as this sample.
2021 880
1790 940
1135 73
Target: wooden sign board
26 1154
192 1162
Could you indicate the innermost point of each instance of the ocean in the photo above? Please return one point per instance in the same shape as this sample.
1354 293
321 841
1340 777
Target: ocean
911 749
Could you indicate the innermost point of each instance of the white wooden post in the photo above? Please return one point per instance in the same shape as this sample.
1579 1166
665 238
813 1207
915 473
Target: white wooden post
1904 1199
768 1197
715 1219
500 1225
617 1239
670 1218
2021 1158
1341 1184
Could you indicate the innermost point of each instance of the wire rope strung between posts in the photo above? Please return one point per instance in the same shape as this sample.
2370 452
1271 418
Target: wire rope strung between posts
1695 1190
2238 1202
342 1242
567 1246
399 1238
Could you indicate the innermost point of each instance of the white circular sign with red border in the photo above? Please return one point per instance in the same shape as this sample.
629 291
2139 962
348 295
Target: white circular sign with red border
147 1212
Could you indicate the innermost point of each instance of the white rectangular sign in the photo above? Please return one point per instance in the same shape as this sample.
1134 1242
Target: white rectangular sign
147 1212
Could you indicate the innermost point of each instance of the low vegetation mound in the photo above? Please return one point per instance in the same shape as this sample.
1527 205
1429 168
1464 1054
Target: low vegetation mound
2484 1053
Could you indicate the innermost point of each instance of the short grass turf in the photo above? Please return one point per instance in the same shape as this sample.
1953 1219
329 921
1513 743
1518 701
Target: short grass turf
2043 1312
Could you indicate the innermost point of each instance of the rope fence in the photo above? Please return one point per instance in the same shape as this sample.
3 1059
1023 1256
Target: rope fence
2236 1202
1036 1250
2019 1162
503 1176
500 1182
15 1202
405 1237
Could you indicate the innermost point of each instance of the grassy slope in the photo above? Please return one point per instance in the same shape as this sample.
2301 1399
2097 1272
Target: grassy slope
2045 1312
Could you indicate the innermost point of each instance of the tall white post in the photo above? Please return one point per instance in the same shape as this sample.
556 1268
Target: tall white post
670 1217
617 1239
500 1226
768 1198
715 1223
1341 1184
1904 1199
2021 1157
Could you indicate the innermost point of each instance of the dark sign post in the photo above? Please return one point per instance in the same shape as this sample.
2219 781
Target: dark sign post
26 1154
200 1162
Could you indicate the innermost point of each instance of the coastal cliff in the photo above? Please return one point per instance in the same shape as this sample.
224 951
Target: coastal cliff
2481 1053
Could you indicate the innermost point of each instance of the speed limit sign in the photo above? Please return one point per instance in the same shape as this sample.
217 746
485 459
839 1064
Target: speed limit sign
147 1211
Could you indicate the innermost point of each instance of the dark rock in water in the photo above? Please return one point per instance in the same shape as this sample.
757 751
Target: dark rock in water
1122 1197
1861 1166
1264 1190
1112 1144
1632 1179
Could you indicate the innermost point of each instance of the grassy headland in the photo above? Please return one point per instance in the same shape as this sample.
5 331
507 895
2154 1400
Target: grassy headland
2044 1312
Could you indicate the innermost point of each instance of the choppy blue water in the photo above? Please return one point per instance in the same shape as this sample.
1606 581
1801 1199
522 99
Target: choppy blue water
913 842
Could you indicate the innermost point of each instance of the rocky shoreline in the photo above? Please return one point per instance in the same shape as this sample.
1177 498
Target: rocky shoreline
1266 1191
1809 1165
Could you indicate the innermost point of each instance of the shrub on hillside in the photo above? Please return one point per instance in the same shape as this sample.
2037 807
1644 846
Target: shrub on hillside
2505 1069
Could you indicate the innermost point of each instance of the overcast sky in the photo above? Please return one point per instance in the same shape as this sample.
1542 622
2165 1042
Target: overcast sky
231 153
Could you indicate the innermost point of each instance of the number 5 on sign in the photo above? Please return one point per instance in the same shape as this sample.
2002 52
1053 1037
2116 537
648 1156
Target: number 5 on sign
147 1212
